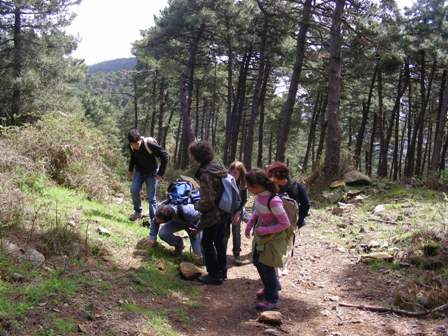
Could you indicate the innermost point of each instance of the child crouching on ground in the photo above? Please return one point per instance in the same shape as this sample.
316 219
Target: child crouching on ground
269 247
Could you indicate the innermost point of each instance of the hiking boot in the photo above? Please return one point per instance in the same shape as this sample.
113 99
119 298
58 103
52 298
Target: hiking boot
136 215
266 305
237 261
179 248
209 280
260 294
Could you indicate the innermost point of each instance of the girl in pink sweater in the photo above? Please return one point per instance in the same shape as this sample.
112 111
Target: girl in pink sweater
269 217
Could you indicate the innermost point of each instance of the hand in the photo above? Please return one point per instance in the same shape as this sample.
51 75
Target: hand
193 231
159 178
236 218
130 175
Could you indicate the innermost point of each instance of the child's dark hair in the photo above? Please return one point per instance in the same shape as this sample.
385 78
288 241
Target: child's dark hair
134 135
259 177
278 170
165 212
201 151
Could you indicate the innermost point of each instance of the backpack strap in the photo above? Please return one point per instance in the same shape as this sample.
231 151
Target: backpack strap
145 142
270 199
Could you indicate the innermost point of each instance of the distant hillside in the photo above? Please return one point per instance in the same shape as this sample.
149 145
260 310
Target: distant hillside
118 64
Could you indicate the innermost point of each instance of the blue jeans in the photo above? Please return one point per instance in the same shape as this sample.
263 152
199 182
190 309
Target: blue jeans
151 187
168 229
269 278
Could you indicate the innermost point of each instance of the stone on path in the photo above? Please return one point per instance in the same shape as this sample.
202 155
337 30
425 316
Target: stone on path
189 271
103 232
377 256
379 209
27 253
354 177
337 184
271 317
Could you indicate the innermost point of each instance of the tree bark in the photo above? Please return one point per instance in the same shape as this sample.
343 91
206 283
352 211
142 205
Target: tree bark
262 106
312 132
365 116
154 104
162 99
229 125
237 110
323 130
402 85
371 146
185 96
16 102
440 125
333 142
288 107
256 100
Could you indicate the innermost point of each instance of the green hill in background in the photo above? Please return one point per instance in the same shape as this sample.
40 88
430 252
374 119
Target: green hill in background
118 64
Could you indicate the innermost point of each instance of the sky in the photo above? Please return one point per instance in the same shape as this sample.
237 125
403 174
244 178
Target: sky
107 28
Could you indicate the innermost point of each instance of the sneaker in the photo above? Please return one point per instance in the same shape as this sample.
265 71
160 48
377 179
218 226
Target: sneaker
136 215
237 260
209 280
198 260
179 248
266 305
260 294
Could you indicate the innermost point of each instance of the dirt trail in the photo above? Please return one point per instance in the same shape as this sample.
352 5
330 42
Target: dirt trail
321 275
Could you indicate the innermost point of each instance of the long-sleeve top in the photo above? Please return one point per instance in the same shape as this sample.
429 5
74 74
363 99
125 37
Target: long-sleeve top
298 193
187 214
270 221
146 162
243 196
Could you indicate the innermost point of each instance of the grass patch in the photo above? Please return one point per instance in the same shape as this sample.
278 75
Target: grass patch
157 321
65 326
182 316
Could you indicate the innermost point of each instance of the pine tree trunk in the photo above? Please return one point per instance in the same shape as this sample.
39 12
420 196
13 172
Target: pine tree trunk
396 146
371 146
407 173
185 97
154 104
256 101
384 149
237 111
323 130
312 132
16 101
229 125
196 124
442 115
162 99
400 160
333 141
365 116
380 117
167 127
288 107
266 75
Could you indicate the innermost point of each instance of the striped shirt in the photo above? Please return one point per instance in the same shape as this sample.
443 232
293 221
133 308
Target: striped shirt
270 221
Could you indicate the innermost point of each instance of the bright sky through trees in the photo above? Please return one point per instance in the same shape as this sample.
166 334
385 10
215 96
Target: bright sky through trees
106 28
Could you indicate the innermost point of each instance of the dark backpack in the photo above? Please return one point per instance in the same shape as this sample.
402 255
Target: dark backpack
182 192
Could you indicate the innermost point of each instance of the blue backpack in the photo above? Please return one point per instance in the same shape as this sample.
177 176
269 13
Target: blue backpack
230 199
182 192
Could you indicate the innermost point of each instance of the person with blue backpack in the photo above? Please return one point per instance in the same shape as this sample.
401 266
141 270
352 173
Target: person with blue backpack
174 218
219 199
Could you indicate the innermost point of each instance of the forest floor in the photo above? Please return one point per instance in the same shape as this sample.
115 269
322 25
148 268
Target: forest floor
113 285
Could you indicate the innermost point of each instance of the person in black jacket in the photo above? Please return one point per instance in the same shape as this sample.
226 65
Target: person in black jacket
278 172
143 168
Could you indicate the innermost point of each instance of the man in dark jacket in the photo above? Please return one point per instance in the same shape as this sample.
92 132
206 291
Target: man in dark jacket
143 168
213 219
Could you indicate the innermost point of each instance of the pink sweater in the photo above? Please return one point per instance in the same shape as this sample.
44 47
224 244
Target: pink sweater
272 221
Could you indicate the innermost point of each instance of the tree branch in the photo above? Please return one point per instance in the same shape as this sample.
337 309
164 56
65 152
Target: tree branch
396 311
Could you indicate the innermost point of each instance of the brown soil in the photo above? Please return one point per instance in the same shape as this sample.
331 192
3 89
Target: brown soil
320 276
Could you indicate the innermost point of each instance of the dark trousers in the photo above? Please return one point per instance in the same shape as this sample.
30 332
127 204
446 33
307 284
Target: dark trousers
236 236
214 249
269 278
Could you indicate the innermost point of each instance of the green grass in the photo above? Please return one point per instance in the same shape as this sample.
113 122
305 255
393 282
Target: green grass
162 282
64 326
156 320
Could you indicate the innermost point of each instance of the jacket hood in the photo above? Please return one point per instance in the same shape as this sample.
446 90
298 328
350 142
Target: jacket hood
215 168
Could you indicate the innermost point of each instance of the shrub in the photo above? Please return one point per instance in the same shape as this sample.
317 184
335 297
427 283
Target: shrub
70 151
